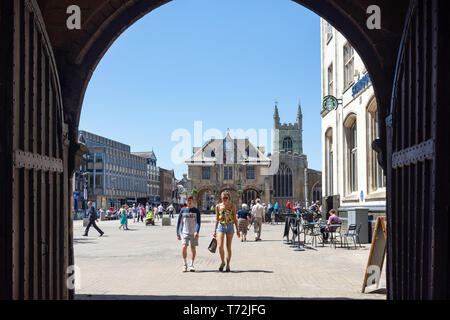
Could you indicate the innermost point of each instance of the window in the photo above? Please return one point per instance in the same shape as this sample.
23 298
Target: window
376 179
352 153
330 80
228 173
206 173
282 182
348 65
250 172
287 144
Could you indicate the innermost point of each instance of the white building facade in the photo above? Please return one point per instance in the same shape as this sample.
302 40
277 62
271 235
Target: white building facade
351 175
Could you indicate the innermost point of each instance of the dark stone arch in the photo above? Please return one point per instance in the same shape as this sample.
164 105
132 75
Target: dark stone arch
79 52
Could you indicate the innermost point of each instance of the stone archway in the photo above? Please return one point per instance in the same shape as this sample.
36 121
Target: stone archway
420 61
205 198
249 194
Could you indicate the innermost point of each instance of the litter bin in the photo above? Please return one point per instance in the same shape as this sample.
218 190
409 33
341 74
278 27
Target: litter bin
360 216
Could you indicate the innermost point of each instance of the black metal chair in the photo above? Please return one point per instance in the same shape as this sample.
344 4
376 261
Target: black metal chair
334 235
294 230
315 233
352 233
287 229
299 230
357 234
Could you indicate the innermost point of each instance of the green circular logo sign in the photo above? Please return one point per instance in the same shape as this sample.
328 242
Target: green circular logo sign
330 103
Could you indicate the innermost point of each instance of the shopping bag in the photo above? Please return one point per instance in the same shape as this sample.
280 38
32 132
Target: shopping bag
212 245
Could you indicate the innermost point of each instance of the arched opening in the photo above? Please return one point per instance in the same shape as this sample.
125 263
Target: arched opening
287 144
77 54
206 199
376 178
248 195
351 154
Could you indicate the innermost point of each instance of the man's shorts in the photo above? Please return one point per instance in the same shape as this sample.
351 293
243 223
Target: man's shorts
189 239
225 228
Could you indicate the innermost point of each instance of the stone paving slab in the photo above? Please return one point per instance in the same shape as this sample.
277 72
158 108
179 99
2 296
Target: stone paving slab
145 263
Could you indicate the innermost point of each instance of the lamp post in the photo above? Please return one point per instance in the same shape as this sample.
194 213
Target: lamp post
113 184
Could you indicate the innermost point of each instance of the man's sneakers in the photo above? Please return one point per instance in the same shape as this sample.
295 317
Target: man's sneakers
191 268
101 234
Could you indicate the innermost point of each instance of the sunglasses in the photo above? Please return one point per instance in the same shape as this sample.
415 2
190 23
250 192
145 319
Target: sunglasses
225 198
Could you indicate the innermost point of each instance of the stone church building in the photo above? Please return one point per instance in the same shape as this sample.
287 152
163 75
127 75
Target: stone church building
248 173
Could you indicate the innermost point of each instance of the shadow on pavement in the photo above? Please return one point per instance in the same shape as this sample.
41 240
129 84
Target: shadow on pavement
234 271
175 297
84 240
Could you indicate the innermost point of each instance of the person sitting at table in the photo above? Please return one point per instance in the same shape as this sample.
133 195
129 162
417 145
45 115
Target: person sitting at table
315 208
325 230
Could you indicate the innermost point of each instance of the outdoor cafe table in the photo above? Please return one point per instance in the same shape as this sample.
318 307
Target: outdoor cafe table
322 224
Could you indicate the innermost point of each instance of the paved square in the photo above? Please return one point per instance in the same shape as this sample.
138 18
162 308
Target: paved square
145 263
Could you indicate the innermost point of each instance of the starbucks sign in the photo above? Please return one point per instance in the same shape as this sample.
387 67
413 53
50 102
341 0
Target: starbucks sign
330 103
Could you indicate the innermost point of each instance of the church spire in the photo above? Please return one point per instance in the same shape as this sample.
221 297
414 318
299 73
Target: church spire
300 124
299 111
276 116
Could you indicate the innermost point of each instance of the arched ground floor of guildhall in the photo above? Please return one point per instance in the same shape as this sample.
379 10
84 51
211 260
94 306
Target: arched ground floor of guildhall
46 69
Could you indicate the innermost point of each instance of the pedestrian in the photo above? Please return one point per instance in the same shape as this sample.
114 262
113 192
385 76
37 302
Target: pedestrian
272 213
252 203
93 218
171 208
188 227
276 207
123 217
160 210
155 212
142 212
138 212
288 206
226 219
133 212
258 219
317 214
243 221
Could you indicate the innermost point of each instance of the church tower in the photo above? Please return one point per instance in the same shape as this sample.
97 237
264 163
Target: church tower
290 135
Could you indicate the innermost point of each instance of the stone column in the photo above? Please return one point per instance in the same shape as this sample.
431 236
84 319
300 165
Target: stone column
306 187
266 190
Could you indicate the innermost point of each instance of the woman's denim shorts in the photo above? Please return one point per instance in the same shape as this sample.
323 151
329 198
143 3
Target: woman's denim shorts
225 228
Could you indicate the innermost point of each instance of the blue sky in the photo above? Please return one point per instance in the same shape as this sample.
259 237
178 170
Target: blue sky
222 62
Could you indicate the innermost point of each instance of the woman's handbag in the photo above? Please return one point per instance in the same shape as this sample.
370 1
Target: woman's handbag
212 245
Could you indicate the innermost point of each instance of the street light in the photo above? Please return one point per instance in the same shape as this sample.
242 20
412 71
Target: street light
113 184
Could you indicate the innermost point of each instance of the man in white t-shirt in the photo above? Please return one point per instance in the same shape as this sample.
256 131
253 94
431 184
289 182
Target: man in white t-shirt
160 210
259 217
